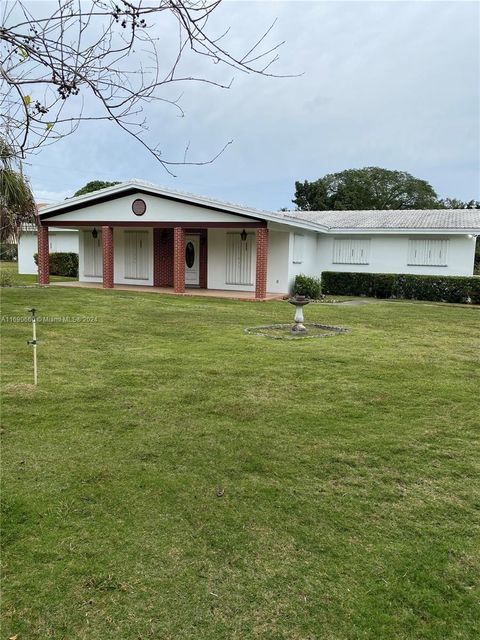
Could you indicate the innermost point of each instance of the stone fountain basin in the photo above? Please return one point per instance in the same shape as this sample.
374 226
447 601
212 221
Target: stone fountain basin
284 331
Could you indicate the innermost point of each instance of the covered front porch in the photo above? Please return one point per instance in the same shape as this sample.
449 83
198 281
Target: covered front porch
170 258
136 234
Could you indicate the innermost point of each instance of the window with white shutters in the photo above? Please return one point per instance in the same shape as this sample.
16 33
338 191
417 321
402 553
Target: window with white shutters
92 255
298 241
239 259
136 255
351 251
429 253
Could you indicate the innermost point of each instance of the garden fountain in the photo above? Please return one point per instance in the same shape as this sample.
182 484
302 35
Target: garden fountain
299 330
299 302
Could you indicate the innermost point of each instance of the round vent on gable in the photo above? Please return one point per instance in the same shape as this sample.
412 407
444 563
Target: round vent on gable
139 207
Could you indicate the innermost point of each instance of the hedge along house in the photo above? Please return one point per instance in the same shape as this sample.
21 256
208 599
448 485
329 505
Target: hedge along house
138 234
59 241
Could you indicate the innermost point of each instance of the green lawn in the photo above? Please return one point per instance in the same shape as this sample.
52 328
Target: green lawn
17 279
350 468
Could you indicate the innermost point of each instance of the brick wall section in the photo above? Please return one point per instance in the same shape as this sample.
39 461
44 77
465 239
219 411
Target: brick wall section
179 260
165 258
203 275
261 266
43 258
107 245
157 257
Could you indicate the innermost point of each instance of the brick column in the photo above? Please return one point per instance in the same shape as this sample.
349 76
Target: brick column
43 257
179 260
261 266
107 246
157 257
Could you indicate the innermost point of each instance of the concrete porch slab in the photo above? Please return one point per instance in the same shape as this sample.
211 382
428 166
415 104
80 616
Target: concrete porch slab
207 293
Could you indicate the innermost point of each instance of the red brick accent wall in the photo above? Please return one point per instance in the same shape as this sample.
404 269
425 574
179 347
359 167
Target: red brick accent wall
107 245
261 266
203 276
179 260
157 257
165 258
43 258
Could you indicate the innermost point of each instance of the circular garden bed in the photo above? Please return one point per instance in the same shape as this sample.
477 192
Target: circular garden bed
284 331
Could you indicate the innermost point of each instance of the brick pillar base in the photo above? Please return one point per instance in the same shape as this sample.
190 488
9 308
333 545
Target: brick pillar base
43 257
179 260
261 264
107 245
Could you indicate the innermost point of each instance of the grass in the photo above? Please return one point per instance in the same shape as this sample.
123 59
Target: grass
350 469
9 271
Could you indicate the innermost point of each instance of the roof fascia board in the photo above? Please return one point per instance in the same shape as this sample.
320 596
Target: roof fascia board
416 231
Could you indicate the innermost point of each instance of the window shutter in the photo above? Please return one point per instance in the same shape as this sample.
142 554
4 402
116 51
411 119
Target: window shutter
351 250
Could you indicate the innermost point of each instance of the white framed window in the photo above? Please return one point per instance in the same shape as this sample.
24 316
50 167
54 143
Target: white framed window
298 248
427 252
351 250
239 259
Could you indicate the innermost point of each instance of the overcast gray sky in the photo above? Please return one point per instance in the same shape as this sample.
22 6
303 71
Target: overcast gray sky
393 84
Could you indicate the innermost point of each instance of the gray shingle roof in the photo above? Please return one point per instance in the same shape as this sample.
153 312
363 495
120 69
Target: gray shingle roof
403 219
434 220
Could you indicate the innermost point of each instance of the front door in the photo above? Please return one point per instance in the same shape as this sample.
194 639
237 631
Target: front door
192 260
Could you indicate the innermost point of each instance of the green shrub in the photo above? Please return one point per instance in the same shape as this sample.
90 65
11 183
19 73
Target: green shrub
6 279
307 286
414 287
62 264
8 252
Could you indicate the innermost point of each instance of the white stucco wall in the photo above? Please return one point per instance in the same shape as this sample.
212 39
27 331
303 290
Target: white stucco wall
60 241
309 262
389 254
277 270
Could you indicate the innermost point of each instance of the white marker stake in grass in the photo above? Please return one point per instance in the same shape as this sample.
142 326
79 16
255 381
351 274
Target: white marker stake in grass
33 342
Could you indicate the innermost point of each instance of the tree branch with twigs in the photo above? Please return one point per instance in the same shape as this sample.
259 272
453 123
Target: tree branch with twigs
109 50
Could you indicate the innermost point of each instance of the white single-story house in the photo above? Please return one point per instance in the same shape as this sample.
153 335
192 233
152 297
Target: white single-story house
59 241
136 233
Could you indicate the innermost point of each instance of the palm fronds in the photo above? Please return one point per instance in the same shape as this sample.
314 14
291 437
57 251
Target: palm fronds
17 206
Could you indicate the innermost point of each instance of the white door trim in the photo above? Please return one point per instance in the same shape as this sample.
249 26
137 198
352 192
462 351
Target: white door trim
192 273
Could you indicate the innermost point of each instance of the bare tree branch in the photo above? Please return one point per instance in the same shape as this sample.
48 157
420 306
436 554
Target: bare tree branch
111 50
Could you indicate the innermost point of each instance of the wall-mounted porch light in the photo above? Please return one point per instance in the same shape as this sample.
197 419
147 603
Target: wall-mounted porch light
243 236
94 233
